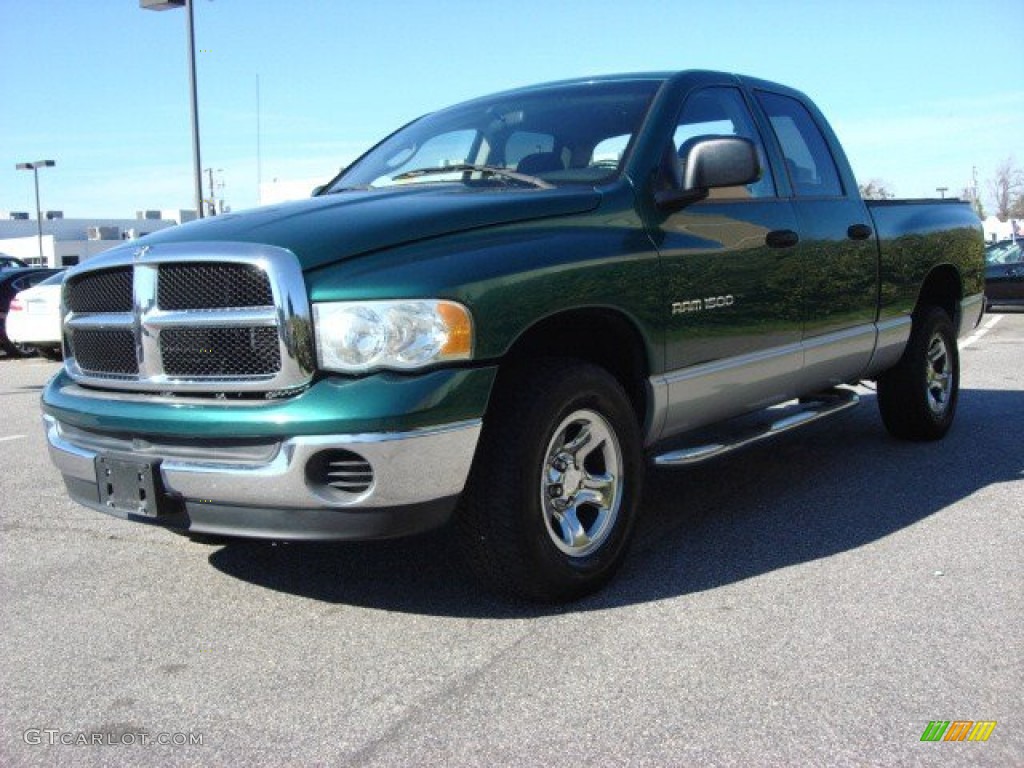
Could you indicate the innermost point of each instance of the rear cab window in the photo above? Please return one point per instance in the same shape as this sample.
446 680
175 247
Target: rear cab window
809 163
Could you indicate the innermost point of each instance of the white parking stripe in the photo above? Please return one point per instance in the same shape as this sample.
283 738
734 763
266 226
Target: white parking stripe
981 331
10 437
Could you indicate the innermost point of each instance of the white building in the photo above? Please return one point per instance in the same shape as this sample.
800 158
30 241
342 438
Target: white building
67 242
1002 230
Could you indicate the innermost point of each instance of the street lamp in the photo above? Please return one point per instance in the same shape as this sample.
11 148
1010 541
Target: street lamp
942 191
197 173
34 167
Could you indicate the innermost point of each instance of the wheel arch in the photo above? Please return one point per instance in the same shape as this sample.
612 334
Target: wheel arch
603 336
942 287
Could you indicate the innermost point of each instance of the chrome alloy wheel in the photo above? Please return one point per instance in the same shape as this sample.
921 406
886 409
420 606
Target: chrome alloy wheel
581 483
939 374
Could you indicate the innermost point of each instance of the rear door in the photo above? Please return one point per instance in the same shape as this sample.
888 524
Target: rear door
838 252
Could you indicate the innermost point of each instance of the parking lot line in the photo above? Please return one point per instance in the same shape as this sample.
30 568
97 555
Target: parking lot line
981 331
5 438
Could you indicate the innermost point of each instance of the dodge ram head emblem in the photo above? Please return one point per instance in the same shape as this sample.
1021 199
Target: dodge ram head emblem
140 253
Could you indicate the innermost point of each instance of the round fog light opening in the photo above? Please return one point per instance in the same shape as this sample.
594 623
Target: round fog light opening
342 470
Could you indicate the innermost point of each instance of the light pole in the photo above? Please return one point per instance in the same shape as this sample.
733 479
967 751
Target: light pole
197 166
213 191
34 167
942 191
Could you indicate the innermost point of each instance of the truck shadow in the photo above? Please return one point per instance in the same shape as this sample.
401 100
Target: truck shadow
808 495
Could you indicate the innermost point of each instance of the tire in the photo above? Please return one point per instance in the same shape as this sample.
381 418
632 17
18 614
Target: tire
551 501
918 396
18 350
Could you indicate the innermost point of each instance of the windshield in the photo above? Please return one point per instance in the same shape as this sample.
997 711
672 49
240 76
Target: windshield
564 134
1004 253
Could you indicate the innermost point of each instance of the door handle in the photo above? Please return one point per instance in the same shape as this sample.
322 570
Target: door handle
782 238
859 232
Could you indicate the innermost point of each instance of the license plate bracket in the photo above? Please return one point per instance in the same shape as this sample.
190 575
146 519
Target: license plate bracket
129 485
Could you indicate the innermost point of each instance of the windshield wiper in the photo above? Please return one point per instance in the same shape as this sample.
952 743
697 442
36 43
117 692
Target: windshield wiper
354 188
487 170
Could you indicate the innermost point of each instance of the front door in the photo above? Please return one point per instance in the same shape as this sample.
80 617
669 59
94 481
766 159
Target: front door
732 282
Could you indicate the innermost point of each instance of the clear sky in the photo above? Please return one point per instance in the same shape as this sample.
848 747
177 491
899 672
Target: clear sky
921 92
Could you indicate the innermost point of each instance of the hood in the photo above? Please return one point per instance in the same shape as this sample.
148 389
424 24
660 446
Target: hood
326 229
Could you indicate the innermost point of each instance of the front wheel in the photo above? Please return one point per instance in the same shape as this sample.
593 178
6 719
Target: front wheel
918 396
551 501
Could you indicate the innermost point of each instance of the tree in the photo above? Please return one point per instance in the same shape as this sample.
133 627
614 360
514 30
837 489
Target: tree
1017 207
1006 188
876 189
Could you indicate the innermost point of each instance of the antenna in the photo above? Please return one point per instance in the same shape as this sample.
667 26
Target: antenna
259 159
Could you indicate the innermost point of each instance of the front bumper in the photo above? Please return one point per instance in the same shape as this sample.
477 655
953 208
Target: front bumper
270 469
265 489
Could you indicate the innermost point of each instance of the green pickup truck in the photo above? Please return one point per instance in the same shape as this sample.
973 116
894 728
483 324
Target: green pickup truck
500 315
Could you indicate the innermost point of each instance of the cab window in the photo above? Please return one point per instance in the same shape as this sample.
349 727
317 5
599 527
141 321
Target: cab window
721 111
809 163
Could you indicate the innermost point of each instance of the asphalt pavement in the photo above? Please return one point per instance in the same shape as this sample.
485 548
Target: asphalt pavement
817 600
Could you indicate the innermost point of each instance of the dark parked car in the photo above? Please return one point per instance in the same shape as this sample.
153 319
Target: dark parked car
9 262
1004 273
12 281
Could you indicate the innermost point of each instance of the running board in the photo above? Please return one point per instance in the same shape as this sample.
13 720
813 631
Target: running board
799 413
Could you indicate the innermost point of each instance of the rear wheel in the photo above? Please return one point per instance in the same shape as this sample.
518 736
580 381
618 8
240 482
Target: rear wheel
918 396
550 504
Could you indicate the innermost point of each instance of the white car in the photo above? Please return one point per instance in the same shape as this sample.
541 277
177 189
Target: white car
33 317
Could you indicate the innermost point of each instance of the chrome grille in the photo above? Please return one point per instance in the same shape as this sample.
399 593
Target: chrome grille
220 351
190 317
109 290
202 286
105 352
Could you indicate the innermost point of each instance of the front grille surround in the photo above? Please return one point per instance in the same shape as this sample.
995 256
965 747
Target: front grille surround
203 318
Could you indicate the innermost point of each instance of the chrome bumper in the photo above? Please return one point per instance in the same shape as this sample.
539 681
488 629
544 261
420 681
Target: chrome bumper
264 489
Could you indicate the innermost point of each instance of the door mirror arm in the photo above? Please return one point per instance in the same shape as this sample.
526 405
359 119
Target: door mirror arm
673 200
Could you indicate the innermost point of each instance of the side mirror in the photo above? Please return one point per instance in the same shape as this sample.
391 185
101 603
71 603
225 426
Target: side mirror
317 190
711 162
726 161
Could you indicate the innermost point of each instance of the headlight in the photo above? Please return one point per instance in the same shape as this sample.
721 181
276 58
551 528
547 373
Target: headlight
360 336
